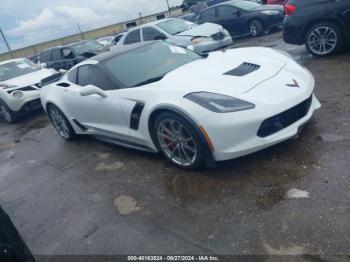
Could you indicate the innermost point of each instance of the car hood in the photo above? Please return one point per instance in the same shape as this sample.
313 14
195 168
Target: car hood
211 74
206 29
28 79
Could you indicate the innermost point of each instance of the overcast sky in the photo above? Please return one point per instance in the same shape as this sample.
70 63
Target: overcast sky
27 22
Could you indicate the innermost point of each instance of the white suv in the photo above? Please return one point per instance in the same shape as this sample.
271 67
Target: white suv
20 87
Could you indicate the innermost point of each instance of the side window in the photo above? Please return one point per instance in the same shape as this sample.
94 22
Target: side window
72 76
150 34
226 11
91 75
133 37
56 54
207 15
67 53
117 39
44 56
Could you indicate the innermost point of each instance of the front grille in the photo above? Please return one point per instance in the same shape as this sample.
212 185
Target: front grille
26 88
243 69
218 36
278 122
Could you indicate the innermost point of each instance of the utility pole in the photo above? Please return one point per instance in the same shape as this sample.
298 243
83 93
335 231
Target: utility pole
7 44
81 33
167 2
140 15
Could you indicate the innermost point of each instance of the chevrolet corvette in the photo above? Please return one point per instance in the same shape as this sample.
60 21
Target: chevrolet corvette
195 110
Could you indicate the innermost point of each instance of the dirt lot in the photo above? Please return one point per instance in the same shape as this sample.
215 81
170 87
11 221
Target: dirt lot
88 197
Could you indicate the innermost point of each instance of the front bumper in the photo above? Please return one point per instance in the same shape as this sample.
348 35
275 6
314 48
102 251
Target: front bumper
212 45
240 138
26 103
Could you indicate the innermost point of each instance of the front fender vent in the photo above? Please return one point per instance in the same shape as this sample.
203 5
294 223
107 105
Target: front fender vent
243 69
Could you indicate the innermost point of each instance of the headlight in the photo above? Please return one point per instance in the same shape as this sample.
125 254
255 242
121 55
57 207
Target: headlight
219 103
17 94
200 40
284 53
270 12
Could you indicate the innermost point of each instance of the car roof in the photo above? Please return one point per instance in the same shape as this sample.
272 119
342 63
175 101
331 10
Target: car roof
153 23
118 50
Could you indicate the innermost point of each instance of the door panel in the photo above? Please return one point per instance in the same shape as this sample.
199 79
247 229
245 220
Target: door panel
230 18
101 115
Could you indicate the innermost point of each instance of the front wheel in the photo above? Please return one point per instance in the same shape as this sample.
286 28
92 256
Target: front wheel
7 113
324 39
256 28
60 123
178 141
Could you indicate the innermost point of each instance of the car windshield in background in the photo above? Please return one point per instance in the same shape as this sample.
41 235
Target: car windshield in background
86 47
147 64
17 68
174 26
246 5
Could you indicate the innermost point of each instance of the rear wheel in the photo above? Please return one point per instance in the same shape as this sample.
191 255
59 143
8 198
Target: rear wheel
178 141
7 113
60 123
256 28
324 39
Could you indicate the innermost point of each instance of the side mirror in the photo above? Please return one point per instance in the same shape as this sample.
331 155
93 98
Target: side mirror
43 65
62 71
92 90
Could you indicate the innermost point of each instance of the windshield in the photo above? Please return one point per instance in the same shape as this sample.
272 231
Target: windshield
86 47
147 64
175 26
246 5
17 68
106 39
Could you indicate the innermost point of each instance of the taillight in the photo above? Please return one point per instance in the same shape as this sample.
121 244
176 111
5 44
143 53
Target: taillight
289 9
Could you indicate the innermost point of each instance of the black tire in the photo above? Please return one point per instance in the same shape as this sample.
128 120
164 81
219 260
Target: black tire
335 35
256 28
198 158
60 123
7 114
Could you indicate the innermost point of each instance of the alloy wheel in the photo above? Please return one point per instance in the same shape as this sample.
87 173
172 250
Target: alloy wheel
323 40
253 29
59 122
5 113
177 142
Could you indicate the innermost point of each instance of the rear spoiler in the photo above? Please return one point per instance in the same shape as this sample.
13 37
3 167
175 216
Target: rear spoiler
48 80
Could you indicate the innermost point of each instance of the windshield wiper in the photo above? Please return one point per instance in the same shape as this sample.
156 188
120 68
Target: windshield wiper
151 80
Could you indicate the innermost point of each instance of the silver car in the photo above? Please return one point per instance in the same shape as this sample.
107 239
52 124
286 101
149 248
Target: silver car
199 38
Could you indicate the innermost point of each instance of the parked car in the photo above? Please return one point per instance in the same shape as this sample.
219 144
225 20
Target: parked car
323 26
200 38
19 87
34 58
106 40
193 109
276 2
64 57
109 41
191 17
244 17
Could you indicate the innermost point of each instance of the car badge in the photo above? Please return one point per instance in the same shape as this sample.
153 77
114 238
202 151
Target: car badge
295 84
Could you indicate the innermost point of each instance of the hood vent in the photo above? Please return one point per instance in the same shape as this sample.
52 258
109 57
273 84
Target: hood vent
243 69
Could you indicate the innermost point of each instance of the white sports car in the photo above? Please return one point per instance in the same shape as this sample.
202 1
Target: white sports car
163 98
19 87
